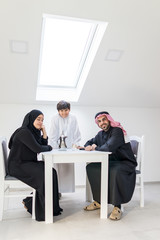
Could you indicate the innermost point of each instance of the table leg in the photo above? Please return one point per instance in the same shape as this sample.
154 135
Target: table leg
104 187
48 189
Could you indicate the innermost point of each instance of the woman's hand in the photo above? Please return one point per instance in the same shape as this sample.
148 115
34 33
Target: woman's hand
44 132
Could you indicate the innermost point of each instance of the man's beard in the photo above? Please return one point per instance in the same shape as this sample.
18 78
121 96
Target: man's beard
106 127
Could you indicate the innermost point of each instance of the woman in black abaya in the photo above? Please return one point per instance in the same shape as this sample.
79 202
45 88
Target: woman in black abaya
25 143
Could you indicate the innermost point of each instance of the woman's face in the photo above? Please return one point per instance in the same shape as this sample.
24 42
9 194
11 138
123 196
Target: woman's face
64 112
38 122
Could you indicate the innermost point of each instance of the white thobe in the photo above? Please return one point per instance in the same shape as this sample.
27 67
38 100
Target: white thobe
69 127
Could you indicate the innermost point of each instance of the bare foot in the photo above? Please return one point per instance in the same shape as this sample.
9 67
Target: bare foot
25 206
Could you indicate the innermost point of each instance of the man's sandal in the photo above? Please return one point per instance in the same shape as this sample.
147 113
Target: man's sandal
115 214
93 206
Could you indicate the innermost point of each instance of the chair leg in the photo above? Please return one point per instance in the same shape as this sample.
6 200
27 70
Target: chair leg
33 204
6 202
141 193
1 202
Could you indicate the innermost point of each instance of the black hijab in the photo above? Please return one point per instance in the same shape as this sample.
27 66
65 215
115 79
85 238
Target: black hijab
28 122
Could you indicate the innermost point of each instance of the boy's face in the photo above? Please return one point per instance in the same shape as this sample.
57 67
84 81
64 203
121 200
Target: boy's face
64 112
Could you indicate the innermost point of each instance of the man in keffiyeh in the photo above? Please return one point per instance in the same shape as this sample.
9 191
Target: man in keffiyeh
122 163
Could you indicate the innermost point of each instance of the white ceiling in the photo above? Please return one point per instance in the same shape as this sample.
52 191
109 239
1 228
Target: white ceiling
134 28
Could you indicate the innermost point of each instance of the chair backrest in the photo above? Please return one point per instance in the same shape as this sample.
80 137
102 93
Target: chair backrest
137 145
3 157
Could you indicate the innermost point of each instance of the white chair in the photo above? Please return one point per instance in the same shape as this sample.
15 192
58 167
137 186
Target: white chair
11 187
137 144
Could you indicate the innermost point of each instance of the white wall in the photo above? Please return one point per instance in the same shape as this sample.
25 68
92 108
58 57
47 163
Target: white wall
136 121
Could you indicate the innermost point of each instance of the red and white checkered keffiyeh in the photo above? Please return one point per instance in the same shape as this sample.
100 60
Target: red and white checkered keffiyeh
111 120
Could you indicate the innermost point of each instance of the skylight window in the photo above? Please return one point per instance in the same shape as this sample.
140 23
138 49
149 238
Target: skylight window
68 48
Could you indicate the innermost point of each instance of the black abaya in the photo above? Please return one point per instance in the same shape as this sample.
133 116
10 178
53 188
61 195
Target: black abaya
122 163
23 164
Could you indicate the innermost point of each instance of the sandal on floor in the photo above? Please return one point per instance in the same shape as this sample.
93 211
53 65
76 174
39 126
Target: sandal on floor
115 214
93 206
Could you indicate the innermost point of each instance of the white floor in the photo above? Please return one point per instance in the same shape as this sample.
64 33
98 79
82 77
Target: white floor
76 224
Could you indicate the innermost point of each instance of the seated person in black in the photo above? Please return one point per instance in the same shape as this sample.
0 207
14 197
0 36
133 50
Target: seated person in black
25 143
122 163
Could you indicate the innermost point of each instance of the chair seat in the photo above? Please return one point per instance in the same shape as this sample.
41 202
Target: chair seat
8 177
138 172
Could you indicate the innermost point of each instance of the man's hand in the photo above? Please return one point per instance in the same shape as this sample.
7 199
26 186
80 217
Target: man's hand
88 148
80 148
91 147
94 146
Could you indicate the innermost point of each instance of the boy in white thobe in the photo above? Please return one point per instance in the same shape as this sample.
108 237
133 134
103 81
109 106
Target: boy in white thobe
65 123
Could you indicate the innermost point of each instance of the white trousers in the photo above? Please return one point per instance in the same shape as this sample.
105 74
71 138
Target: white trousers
66 177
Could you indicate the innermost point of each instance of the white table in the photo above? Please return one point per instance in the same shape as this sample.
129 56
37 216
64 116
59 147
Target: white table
73 156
